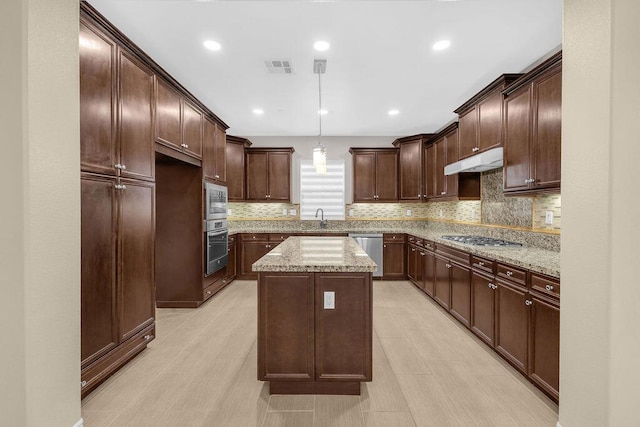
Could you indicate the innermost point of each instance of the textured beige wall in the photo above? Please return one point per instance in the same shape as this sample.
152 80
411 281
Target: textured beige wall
600 342
40 360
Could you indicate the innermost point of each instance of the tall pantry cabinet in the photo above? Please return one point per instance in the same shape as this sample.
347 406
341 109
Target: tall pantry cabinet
118 204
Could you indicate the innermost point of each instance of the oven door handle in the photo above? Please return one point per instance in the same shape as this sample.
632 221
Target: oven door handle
217 233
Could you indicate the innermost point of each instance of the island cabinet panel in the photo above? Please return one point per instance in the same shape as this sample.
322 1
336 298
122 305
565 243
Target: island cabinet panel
512 320
343 335
97 56
286 342
483 307
135 118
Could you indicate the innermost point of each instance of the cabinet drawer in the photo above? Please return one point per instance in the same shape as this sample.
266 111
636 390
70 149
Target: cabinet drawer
418 242
232 239
276 237
429 245
482 264
411 239
393 237
454 254
254 237
513 274
545 284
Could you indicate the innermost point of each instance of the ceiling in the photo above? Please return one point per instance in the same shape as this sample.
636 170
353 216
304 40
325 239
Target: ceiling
380 57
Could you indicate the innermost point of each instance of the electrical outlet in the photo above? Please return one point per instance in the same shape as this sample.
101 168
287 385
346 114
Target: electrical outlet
284 211
350 212
408 212
548 218
329 300
441 214
229 212
293 212
473 214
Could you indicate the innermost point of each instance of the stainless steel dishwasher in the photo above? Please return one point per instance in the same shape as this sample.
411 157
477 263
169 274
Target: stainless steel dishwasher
372 245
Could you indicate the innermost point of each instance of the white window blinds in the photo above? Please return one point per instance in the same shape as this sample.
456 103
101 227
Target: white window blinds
322 191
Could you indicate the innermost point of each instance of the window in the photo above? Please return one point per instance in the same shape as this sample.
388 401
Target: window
322 191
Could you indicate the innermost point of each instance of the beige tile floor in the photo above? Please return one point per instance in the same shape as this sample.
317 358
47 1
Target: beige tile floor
427 371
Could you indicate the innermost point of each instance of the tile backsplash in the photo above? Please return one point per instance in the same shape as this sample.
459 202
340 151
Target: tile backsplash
494 209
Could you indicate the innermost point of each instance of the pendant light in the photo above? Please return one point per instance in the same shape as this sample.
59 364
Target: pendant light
320 151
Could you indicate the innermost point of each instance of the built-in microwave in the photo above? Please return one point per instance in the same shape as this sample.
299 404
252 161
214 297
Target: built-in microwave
215 201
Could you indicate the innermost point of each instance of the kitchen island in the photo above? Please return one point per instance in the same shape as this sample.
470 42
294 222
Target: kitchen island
315 316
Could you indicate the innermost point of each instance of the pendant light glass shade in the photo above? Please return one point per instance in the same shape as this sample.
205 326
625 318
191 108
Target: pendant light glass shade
320 151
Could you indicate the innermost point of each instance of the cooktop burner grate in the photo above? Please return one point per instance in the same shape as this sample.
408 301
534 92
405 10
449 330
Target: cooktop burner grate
482 241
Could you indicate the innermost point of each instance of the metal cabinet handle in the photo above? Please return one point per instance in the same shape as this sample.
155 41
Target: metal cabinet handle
509 273
186 145
393 237
549 287
208 292
528 302
216 176
384 246
448 265
148 337
422 253
442 193
481 264
123 166
413 249
83 384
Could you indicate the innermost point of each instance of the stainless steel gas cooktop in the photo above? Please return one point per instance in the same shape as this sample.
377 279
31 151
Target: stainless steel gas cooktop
482 241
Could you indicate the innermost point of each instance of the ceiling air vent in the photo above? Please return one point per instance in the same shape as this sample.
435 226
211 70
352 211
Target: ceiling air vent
279 67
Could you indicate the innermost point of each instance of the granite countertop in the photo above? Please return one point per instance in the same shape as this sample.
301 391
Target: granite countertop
316 254
528 257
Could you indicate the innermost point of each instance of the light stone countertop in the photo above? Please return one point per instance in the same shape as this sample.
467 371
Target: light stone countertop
316 254
531 258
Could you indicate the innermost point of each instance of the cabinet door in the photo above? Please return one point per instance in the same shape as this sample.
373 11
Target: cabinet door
412 263
544 362
286 343
546 132
512 319
251 252
136 229
482 307
429 171
235 172
451 156
98 258
209 149
343 335
441 156
231 263
461 293
490 121
411 170
257 188
364 177
168 115
393 260
428 277
279 177
386 176
517 140
220 154
442 291
97 101
468 128
137 154
192 129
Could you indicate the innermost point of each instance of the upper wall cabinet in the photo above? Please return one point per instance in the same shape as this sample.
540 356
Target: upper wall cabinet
214 149
480 118
533 107
411 167
236 168
375 172
116 92
268 174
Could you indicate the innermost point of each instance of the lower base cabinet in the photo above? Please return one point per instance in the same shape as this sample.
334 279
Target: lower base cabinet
306 349
512 320
393 260
544 345
483 307
460 278
442 288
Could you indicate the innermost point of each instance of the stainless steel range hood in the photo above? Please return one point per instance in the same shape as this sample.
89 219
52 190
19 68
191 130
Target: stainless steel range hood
490 159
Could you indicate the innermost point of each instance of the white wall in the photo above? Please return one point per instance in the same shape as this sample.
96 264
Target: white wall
600 337
337 149
40 220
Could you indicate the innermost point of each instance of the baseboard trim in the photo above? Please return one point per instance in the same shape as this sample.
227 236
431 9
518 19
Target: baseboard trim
79 423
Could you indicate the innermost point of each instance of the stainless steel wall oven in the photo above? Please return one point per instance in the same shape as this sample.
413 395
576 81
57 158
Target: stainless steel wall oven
216 231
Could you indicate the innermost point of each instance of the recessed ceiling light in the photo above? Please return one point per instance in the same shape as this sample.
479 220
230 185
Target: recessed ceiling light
321 45
323 112
211 45
258 111
393 112
441 45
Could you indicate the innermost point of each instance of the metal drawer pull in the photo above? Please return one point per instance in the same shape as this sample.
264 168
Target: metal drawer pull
549 287
216 176
442 193
481 264
148 337
83 383
528 302
509 273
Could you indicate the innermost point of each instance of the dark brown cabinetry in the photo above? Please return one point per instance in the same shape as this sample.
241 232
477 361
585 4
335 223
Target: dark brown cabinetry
393 256
483 299
480 118
303 348
232 261
235 160
442 150
375 172
214 149
411 167
533 107
192 129
268 174
452 287
253 246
